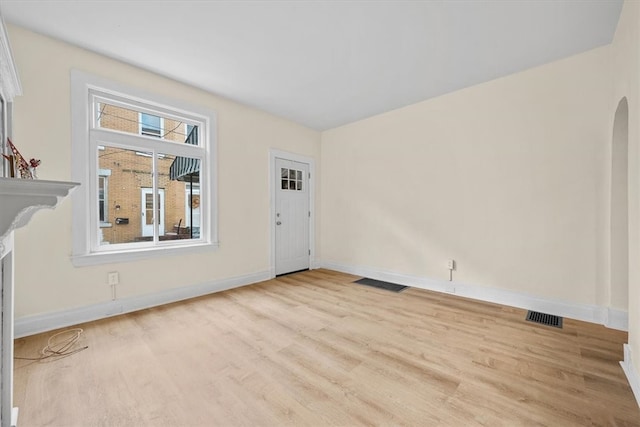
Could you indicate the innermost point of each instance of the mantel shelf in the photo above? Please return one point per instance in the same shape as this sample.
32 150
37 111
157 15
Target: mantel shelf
21 198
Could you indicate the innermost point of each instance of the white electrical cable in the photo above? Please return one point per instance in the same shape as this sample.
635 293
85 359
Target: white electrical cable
61 347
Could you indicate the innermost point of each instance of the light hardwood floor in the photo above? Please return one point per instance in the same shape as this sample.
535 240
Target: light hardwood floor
314 349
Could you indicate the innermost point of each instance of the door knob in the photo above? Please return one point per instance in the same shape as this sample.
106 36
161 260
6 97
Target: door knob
278 223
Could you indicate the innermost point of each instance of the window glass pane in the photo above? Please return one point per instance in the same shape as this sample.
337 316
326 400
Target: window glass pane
150 125
98 112
102 184
284 173
180 178
130 120
117 118
148 208
285 184
298 175
190 136
129 194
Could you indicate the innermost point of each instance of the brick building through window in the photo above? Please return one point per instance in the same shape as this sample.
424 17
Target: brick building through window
126 203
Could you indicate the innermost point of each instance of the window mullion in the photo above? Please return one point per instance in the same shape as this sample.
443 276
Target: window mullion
156 193
146 143
94 220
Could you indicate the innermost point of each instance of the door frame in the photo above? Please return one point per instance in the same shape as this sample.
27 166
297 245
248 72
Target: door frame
285 155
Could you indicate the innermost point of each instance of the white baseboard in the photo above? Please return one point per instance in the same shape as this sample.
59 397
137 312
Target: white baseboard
631 373
31 325
617 319
611 318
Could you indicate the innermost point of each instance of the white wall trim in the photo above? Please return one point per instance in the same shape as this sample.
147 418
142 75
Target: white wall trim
279 154
131 255
31 325
616 319
631 373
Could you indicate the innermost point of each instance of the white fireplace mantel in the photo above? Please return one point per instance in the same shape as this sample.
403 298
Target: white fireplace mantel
19 200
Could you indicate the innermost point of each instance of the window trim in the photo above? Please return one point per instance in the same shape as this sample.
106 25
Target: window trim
85 167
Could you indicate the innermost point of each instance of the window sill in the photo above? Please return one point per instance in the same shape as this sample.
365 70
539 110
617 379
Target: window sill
98 258
106 225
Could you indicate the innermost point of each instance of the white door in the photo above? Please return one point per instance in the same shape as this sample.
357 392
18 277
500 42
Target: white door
292 216
147 211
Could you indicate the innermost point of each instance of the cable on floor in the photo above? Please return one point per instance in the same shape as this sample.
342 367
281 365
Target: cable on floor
59 345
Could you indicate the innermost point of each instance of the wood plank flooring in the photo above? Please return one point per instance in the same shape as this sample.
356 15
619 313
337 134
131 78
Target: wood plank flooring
314 349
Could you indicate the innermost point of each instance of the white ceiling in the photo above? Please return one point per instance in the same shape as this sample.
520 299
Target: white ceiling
326 63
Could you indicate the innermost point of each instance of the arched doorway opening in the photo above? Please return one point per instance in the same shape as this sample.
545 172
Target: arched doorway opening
619 281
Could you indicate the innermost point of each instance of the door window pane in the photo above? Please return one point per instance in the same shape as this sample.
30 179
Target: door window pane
291 179
148 208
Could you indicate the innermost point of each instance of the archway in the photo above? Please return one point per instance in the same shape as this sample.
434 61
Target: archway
619 281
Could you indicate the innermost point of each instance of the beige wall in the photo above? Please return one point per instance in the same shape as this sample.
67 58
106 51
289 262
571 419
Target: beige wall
515 179
626 57
511 178
502 177
46 281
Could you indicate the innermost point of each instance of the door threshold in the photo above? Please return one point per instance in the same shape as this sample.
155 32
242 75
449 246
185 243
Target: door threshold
292 272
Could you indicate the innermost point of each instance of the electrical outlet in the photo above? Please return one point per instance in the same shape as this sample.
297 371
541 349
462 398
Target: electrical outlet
451 264
113 278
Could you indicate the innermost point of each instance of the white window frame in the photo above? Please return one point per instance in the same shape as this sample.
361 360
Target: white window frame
87 139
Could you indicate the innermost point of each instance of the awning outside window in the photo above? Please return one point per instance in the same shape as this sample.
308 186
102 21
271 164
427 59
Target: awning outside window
187 169
184 168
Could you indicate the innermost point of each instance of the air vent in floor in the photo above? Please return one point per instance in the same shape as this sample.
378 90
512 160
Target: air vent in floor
380 284
544 319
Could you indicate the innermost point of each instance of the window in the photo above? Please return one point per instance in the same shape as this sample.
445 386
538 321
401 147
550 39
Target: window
151 125
140 196
187 129
291 179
